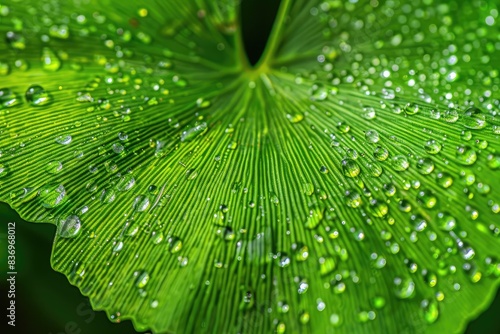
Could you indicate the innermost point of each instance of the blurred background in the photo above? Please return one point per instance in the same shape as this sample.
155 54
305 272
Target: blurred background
47 303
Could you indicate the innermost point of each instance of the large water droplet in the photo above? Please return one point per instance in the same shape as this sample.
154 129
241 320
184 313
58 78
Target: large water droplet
350 168
69 227
37 96
466 155
404 288
192 132
50 60
446 221
430 310
400 163
52 195
126 182
432 146
372 136
474 119
425 166
8 98
142 279
380 153
174 244
141 203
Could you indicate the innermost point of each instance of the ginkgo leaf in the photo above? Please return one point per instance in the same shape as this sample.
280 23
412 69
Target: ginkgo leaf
346 182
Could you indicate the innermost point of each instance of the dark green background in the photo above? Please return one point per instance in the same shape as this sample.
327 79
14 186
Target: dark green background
46 302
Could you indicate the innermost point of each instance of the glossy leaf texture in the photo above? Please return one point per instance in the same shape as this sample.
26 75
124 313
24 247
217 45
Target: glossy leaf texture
349 183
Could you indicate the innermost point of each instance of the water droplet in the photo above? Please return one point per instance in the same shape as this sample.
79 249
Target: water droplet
232 145
411 109
274 198
327 264
378 208
16 40
467 252
54 167
118 247
64 139
191 174
8 98
295 117
466 155
108 195
142 279
378 302
174 244
308 189
372 136
350 168
318 92
425 165
474 119
248 300
444 179
446 221
141 203
314 218
37 96
4 69
126 182
226 233
50 60
69 227
389 189
280 327
192 132
493 161
404 288
426 198
380 153
304 317
335 320
404 205
300 251
303 286
374 169
432 146
284 260
342 127
430 310
52 195
472 272
353 199
59 31
430 278
400 163
450 116
419 222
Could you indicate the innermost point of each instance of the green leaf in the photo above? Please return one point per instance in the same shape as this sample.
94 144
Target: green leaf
346 183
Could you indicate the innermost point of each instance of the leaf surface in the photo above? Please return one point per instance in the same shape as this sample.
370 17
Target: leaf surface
347 183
